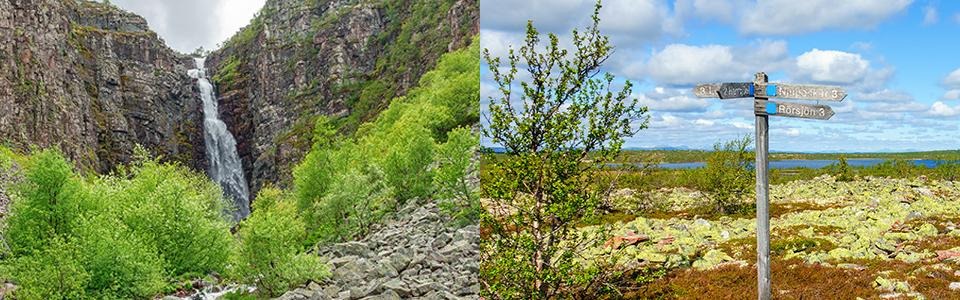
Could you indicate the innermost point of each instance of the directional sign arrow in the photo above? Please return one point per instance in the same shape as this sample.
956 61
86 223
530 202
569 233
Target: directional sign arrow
724 90
793 110
707 90
769 90
800 91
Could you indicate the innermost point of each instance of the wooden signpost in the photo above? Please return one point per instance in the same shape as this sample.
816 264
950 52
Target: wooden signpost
762 91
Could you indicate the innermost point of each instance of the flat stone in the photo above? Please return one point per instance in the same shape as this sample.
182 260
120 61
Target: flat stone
353 248
340 261
387 270
954 286
399 286
428 287
331 291
386 295
454 247
890 295
440 241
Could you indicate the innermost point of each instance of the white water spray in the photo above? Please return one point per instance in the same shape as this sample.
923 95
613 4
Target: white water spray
225 166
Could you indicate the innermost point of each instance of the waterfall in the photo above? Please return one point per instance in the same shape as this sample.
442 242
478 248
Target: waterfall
221 147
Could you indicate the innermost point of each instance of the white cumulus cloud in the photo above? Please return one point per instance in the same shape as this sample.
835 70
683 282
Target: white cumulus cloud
681 64
953 79
952 82
940 109
792 132
672 100
638 20
832 66
792 16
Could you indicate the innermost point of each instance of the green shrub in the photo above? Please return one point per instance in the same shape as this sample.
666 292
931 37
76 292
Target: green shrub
178 211
50 205
269 253
313 176
948 170
454 85
843 170
114 236
543 187
358 199
728 177
53 272
6 158
409 153
120 264
228 71
455 160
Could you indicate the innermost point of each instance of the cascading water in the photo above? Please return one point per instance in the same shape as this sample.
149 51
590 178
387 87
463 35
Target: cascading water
225 166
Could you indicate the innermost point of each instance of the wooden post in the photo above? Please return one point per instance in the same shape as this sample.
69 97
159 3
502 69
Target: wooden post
761 90
763 214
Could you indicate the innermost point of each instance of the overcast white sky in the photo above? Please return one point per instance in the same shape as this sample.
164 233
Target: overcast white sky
188 24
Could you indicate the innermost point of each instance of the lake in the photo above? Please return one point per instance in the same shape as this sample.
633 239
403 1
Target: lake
808 163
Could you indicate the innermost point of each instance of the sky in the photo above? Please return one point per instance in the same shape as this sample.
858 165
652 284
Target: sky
186 25
897 59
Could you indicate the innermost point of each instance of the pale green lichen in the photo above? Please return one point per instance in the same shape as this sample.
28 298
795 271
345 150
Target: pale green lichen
872 218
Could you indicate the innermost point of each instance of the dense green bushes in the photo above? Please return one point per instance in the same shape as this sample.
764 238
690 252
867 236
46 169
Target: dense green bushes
269 253
114 236
52 205
455 159
345 184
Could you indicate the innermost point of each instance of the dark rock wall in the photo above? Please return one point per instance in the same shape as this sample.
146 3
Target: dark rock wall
342 58
94 81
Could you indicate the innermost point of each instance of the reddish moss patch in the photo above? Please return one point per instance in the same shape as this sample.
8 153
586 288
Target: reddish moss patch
941 222
924 278
939 242
791 279
741 248
746 248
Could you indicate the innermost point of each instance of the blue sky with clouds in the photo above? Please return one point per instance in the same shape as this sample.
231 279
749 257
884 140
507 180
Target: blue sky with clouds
899 61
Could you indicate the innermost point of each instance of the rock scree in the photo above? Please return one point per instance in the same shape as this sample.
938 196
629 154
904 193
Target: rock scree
417 255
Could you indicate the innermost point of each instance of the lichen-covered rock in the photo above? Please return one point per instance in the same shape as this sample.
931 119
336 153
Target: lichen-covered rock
867 219
95 81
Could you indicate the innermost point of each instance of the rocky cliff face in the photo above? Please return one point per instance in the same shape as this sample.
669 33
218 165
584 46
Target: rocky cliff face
95 81
342 58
